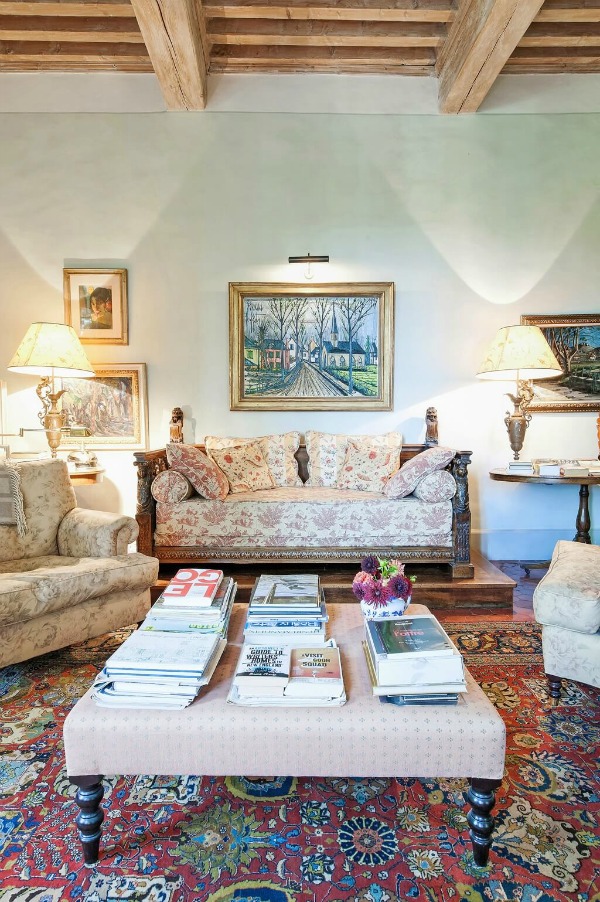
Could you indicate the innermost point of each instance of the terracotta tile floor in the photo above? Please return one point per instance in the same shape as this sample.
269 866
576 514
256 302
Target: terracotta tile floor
522 609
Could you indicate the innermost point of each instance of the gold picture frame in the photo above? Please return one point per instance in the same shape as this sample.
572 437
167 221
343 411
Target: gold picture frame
108 411
328 346
575 341
96 305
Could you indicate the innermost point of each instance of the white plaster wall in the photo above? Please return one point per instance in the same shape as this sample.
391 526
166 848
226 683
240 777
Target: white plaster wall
476 219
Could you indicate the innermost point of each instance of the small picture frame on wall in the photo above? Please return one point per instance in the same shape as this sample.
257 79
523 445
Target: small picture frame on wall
110 409
96 305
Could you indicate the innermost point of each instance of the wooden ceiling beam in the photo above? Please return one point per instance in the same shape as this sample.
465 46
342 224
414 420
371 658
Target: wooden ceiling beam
481 39
324 40
87 10
173 31
25 28
28 55
331 13
568 16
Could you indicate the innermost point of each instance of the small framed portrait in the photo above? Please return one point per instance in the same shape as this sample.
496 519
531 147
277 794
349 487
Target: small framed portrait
96 305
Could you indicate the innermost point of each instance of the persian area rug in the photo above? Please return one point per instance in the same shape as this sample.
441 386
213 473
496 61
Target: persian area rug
378 840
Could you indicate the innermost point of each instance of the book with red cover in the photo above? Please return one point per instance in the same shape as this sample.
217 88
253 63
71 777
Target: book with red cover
192 586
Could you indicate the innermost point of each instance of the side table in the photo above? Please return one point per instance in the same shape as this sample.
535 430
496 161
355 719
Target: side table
582 521
86 475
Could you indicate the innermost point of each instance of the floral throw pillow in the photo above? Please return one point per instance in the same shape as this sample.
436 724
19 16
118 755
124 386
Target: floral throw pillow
206 477
278 451
171 487
367 468
405 480
245 467
327 452
438 486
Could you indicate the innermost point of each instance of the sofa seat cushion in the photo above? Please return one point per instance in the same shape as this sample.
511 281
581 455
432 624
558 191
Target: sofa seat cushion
311 516
569 594
33 586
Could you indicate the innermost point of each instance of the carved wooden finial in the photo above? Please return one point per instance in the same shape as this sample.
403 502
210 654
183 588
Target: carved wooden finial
176 425
431 419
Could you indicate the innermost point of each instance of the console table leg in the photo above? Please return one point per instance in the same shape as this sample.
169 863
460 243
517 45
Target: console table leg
583 521
481 796
89 820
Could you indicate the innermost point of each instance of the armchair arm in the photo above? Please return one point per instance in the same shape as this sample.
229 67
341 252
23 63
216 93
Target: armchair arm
87 533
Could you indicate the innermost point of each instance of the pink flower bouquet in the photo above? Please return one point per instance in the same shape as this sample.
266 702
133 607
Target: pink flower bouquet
381 587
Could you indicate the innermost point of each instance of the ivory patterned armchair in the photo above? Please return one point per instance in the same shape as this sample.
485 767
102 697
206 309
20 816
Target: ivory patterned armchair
567 604
65 573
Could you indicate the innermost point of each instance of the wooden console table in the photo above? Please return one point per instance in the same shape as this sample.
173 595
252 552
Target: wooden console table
362 738
582 522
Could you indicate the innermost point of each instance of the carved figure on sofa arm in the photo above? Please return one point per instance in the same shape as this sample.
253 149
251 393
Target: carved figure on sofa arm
431 420
176 425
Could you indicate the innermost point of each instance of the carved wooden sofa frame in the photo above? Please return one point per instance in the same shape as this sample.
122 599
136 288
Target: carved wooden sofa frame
458 557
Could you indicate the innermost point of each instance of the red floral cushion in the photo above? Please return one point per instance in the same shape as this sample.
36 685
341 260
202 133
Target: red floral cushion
405 480
171 487
206 477
245 467
367 468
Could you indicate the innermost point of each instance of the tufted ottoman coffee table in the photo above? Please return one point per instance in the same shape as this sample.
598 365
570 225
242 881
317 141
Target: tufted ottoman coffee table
363 738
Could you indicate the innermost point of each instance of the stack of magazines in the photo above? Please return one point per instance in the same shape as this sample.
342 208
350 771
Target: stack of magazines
173 654
285 659
288 609
412 661
191 613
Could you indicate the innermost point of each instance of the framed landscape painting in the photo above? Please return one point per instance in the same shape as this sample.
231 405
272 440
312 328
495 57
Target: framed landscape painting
311 347
96 305
575 341
111 406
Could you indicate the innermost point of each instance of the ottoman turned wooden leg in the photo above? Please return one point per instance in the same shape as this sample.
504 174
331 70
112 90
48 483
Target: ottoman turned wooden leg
89 820
554 687
481 796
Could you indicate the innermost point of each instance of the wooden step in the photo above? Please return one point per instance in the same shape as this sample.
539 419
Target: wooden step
489 587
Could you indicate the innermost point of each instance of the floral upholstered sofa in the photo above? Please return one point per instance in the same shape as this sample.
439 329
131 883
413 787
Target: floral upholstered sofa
329 498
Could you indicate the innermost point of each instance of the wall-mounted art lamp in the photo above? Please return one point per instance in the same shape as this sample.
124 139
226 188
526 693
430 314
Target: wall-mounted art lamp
51 350
521 353
308 259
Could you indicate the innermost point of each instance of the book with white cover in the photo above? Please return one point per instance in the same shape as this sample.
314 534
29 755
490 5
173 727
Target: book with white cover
417 686
415 669
282 701
286 591
315 673
263 669
192 586
162 653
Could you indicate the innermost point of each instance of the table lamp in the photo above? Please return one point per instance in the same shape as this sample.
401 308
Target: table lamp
521 353
51 350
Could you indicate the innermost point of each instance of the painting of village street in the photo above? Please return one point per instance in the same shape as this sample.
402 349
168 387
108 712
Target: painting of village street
575 341
313 350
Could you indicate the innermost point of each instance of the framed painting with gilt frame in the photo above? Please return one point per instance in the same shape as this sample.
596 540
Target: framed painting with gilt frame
575 341
96 305
109 410
311 347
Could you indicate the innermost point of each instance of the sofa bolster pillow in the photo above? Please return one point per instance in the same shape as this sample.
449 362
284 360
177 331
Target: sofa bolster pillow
204 474
171 487
438 486
405 480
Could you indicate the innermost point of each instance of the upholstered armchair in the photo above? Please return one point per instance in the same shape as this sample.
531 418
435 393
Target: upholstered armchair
65 573
567 604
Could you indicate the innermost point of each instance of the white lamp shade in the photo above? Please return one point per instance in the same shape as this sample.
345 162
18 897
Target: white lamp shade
51 349
519 352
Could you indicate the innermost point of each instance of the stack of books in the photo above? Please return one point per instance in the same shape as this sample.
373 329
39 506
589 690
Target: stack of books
286 610
158 670
412 661
288 676
525 467
285 659
173 654
196 610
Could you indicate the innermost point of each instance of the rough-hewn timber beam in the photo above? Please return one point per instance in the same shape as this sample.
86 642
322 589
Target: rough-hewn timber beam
481 39
173 34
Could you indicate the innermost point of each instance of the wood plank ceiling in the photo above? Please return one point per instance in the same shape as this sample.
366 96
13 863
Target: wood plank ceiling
465 44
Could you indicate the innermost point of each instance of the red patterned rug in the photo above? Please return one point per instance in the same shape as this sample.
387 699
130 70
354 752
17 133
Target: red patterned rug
378 840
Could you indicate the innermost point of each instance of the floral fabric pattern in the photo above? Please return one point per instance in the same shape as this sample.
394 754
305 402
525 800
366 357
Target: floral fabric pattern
438 486
47 497
367 468
88 533
203 473
569 593
317 517
171 486
278 451
245 467
405 480
327 451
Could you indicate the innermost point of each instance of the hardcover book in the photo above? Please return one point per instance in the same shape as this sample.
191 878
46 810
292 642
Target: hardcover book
422 680
315 672
286 591
263 669
193 586
419 635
